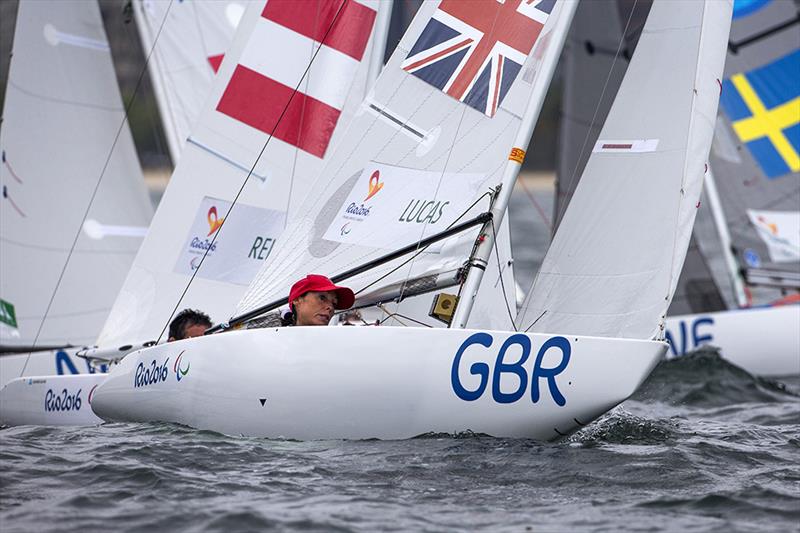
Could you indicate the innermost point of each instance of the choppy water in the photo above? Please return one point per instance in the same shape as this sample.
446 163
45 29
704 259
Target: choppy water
703 446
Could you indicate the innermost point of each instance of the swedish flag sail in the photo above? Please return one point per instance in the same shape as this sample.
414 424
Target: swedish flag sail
756 153
763 106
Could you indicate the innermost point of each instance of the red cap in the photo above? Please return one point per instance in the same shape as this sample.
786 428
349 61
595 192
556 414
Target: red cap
316 283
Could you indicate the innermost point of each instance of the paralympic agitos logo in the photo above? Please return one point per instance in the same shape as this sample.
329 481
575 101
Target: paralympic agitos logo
179 372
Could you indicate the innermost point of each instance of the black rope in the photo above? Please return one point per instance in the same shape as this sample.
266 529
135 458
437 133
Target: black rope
420 250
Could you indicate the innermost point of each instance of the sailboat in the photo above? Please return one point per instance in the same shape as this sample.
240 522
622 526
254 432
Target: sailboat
50 393
427 133
74 207
213 162
753 196
711 304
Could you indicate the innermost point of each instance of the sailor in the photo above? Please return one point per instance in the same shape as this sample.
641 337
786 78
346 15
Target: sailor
187 324
312 301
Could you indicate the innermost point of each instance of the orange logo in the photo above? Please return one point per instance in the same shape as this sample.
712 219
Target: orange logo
214 222
374 185
771 227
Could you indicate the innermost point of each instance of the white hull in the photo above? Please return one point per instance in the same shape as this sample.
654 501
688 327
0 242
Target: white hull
763 341
388 383
50 401
45 363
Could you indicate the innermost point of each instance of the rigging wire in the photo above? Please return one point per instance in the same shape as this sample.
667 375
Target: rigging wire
121 128
500 271
252 168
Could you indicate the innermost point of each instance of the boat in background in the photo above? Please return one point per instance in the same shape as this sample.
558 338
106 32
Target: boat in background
444 131
186 42
195 236
291 162
74 207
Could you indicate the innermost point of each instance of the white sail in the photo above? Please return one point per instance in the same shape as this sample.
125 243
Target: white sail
614 263
429 141
66 148
253 87
188 40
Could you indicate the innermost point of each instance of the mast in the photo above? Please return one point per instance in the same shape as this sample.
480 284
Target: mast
149 50
480 258
715 204
379 39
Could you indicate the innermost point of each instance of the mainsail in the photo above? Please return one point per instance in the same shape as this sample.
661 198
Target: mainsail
426 146
188 40
67 155
290 105
614 263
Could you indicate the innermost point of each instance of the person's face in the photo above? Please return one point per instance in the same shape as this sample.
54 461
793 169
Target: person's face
195 330
315 308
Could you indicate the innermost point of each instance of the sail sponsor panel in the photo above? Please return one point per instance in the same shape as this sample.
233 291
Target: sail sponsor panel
235 254
763 106
473 51
275 93
780 230
393 206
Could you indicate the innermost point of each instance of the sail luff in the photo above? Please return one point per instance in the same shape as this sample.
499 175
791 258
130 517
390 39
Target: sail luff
379 40
553 42
720 224
154 67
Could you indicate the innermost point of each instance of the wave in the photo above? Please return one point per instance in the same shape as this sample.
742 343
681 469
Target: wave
703 378
622 427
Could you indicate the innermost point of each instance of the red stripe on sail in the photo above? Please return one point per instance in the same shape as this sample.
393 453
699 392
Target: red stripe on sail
215 61
617 146
312 18
259 101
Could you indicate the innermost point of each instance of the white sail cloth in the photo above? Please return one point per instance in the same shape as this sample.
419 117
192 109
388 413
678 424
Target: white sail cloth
414 158
64 131
253 86
188 40
614 262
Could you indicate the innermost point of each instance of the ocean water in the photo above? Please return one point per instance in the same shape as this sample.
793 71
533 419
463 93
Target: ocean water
703 446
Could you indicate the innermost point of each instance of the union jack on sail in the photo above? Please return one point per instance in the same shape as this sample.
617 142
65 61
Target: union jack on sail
473 51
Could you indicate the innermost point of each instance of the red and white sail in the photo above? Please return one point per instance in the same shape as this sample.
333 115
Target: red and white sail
293 44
